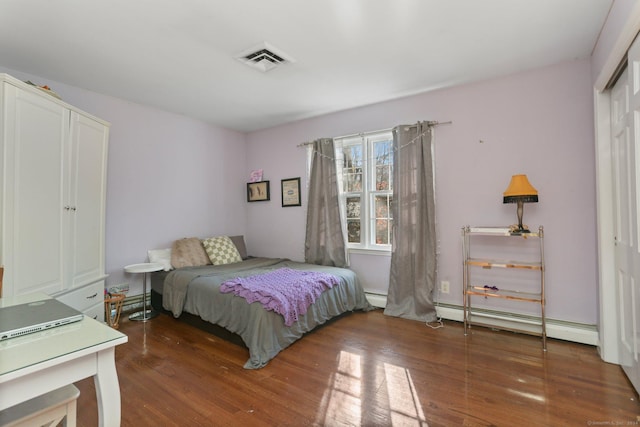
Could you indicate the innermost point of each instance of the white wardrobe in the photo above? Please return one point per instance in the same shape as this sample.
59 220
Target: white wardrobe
53 171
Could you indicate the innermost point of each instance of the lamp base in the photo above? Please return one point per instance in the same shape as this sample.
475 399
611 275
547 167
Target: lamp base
519 229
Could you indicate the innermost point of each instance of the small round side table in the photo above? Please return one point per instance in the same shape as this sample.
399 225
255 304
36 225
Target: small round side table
144 268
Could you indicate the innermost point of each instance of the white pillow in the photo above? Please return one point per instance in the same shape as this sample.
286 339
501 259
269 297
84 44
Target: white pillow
161 256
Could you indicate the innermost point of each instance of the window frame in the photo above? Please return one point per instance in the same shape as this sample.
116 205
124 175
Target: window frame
368 193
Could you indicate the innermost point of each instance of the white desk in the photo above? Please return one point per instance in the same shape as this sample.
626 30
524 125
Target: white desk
37 363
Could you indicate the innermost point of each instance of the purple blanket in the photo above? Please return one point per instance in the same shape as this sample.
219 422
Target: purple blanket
286 291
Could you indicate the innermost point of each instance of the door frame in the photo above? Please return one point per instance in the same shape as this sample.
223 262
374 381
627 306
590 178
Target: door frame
608 328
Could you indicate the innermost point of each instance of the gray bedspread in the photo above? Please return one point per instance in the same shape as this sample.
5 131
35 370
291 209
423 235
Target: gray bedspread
195 290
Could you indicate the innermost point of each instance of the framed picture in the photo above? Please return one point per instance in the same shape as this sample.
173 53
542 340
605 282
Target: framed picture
258 191
290 192
256 175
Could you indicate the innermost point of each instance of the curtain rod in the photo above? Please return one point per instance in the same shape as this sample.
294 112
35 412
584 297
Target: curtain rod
429 123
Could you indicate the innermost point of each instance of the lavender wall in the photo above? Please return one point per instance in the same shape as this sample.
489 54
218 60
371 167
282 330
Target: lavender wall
539 123
172 176
169 177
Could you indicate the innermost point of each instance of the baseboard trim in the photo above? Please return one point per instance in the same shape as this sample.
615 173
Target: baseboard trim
377 300
133 303
558 329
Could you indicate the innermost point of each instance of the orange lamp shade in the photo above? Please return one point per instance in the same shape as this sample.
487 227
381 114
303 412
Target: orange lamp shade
520 190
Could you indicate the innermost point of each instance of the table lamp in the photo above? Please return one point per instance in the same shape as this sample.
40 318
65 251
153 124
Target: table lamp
520 191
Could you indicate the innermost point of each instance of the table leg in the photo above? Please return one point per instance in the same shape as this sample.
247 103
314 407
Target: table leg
145 314
107 389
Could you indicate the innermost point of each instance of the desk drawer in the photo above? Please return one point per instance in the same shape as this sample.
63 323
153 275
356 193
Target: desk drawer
96 312
85 297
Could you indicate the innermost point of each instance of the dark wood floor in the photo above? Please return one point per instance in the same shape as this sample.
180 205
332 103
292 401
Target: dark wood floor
363 369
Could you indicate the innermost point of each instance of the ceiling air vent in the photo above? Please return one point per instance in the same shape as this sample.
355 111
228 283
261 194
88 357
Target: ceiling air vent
264 57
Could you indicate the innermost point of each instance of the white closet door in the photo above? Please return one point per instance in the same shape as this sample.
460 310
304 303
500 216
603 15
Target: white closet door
625 113
36 132
88 187
632 317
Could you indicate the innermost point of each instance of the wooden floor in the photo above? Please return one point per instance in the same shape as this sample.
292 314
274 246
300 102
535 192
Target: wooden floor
363 369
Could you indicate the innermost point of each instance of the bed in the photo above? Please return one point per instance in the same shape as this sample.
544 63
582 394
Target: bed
196 291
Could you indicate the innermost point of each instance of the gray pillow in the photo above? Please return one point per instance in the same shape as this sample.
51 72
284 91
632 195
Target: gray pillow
239 242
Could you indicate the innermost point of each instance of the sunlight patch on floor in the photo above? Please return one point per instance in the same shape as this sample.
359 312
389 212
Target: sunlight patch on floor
343 399
342 402
404 406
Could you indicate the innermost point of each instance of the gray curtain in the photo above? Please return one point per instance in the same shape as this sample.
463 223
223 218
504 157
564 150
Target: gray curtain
413 257
324 242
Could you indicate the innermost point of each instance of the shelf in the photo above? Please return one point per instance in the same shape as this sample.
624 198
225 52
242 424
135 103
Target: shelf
506 324
501 231
487 263
504 294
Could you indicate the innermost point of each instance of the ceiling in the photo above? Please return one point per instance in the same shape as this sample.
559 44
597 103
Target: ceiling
180 55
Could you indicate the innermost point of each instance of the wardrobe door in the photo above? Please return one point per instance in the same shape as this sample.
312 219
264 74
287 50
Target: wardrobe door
34 145
88 188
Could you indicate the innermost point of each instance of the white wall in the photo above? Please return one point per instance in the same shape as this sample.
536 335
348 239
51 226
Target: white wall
169 176
539 123
618 17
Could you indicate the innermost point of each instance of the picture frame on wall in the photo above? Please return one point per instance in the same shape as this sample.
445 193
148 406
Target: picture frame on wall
290 192
258 191
256 175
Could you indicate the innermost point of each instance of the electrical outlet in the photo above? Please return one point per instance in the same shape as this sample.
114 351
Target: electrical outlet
444 286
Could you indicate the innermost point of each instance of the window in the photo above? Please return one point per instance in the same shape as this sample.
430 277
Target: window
367 189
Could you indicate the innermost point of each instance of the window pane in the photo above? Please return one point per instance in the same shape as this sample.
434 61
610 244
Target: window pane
353 207
382 207
353 231
383 232
352 182
353 219
352 168
383 156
